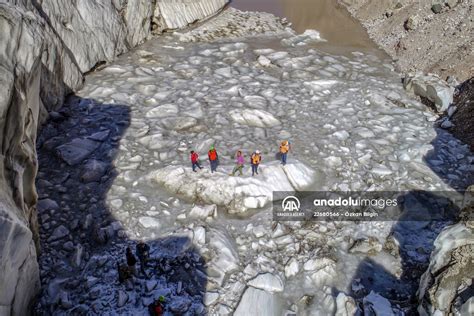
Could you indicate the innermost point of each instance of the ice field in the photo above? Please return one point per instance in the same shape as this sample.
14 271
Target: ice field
114 166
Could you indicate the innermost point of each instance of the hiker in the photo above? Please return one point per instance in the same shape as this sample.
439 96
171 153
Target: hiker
131 260
143 254
195 160
157 308
255 160
213 158
284 149
123 272
239 159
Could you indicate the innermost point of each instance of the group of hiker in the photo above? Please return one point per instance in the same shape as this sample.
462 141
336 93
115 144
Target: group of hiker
126 272
255 159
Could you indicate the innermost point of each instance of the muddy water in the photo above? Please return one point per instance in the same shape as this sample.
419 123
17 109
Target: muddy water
335 24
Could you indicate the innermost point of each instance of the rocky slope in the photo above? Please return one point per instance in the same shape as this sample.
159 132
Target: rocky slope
46 48
431 36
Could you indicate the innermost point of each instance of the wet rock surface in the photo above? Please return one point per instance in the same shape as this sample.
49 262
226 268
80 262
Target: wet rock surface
351 125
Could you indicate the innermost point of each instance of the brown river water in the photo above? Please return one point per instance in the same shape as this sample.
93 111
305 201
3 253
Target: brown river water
342 32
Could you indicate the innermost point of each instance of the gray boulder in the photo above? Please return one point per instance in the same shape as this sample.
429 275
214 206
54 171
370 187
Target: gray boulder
77 150
437 8
93 171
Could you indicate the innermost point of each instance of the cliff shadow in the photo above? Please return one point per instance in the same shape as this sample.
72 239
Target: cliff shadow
446 156
410 243
426 214
83 241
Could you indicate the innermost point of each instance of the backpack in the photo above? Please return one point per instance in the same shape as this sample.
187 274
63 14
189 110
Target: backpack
284 147
255 159
212 155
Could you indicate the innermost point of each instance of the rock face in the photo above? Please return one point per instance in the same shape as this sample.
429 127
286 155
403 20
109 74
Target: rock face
46 48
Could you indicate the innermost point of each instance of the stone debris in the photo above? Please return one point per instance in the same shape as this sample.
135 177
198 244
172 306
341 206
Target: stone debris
77 150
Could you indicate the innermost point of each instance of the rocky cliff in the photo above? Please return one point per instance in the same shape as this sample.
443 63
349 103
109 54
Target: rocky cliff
46 48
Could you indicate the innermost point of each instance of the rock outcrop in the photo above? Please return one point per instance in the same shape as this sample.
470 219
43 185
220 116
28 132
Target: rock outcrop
46 48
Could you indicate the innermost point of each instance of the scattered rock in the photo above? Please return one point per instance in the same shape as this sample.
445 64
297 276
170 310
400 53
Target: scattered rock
77 257
122 298
47 204
77 150
59 233
151 285
446 124
93 171
437 8
452 3
180 305
412 23
100 136
375 304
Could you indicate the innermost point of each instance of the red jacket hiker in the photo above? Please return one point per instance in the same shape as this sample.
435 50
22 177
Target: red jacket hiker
213 158
212 154
194 157
195 160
